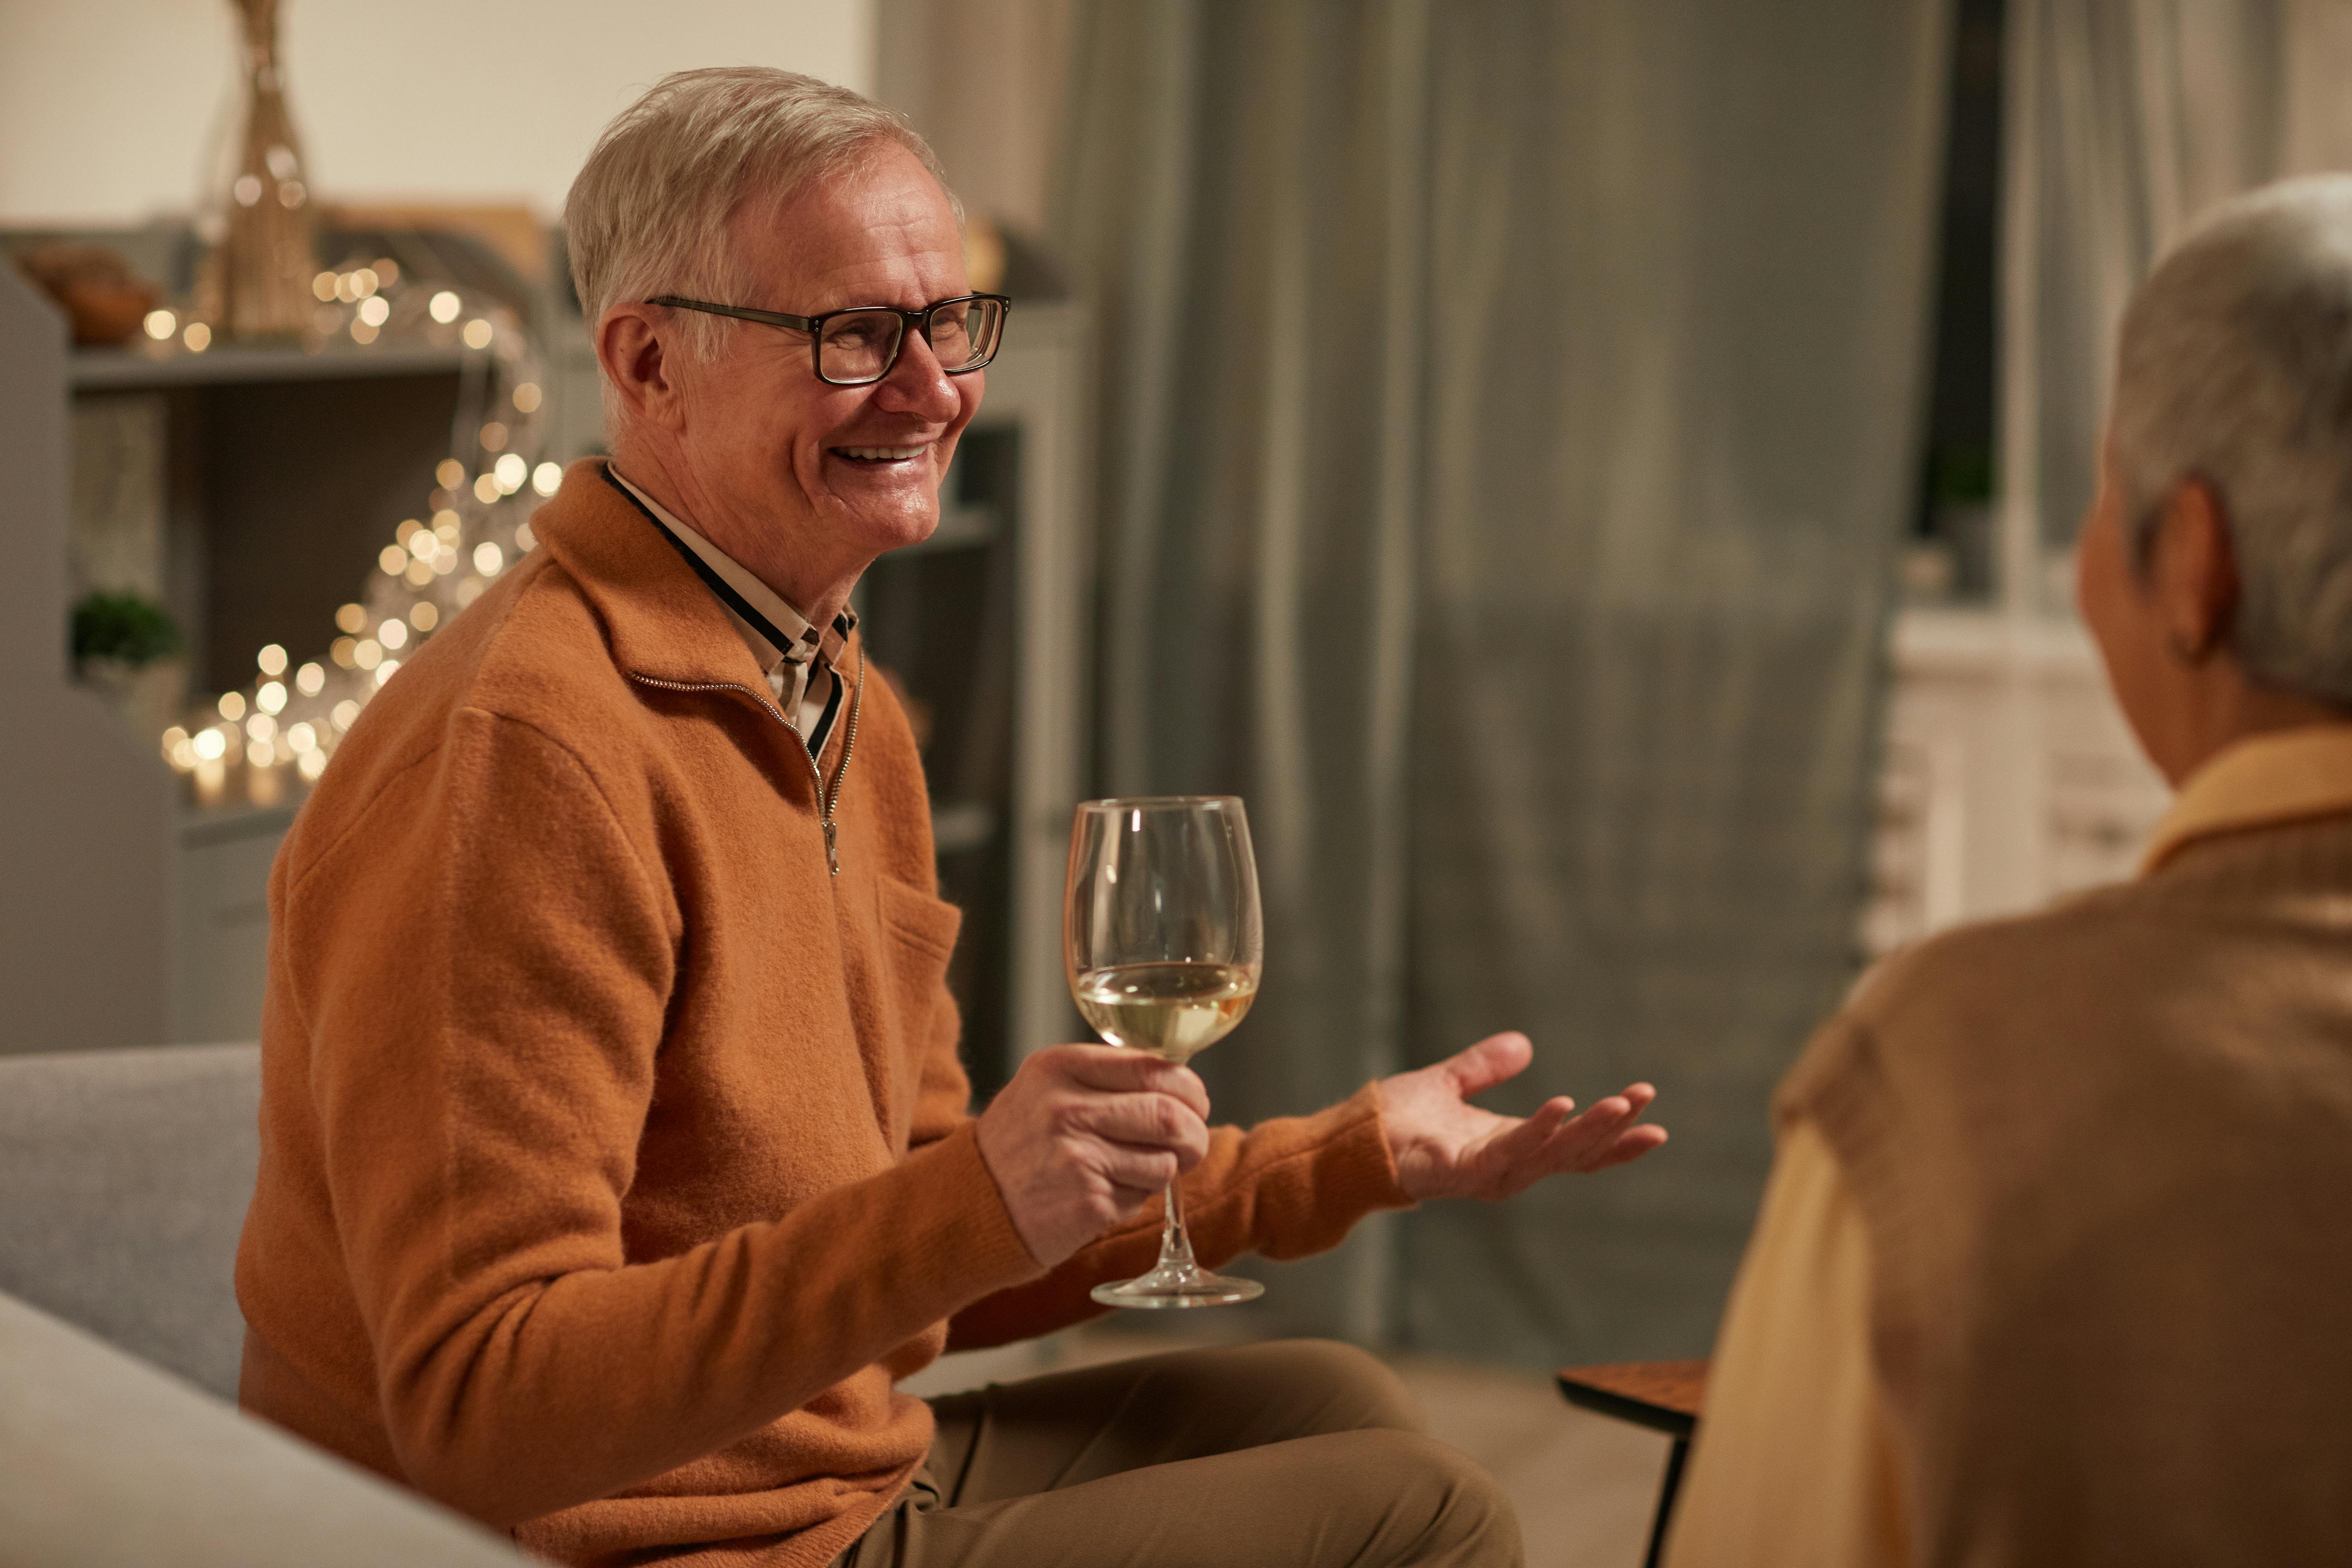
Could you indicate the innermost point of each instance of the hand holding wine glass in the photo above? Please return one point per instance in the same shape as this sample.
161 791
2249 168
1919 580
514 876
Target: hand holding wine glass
1084 1137
1163 942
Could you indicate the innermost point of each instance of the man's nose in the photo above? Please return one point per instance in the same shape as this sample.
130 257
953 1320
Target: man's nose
917 385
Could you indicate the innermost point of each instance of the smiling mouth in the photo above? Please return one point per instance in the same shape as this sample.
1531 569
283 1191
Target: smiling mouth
879 454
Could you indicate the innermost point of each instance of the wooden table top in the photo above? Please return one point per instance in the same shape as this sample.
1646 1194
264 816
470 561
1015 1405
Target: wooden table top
1664 1395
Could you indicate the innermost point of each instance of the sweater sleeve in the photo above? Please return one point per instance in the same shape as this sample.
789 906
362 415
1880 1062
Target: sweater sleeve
484 993
1284 1189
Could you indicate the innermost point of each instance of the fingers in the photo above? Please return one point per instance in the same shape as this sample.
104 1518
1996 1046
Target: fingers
1149 1122
1553 1142
1603 1136
1135 1172
1492 1061
1109 1070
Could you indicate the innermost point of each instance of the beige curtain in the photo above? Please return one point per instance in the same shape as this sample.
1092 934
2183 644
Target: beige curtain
1507 414
2127 118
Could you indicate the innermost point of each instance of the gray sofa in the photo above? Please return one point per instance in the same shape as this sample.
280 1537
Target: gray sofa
123 1180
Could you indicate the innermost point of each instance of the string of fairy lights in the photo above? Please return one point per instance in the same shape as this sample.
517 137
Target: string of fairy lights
287 720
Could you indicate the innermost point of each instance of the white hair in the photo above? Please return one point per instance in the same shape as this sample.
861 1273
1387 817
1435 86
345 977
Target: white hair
2235 367
648 214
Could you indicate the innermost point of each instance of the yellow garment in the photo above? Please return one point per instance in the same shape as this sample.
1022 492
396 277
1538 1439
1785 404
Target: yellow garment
2259 781
1794 1463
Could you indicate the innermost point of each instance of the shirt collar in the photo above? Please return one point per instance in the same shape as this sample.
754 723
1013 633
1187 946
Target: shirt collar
2285 775
770 626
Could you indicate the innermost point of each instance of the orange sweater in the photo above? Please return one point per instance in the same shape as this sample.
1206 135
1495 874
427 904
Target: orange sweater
615 1160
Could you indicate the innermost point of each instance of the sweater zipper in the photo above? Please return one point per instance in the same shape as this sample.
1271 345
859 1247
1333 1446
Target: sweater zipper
826 799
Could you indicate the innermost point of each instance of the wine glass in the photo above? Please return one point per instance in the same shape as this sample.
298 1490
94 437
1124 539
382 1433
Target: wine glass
1162 935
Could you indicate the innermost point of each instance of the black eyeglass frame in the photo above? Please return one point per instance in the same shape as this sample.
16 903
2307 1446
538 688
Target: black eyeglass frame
919 320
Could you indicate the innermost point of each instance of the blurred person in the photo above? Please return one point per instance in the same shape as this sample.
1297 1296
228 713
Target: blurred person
616 1158
2052 1264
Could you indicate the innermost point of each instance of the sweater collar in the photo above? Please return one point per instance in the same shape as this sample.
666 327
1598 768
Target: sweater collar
659 618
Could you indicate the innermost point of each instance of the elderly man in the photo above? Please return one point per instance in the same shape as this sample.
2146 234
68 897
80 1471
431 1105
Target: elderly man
2053 1264
617 1160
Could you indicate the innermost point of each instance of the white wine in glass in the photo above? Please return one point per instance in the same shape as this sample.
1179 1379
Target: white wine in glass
1164 944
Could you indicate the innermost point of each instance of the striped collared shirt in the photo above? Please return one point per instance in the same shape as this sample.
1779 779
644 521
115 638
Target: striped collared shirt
802 663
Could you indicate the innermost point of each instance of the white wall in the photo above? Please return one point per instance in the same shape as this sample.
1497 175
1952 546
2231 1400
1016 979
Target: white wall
107 106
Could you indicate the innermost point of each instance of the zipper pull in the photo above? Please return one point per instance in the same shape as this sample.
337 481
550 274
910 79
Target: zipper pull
832 855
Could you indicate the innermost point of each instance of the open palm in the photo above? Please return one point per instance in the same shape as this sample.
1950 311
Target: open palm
1446 1147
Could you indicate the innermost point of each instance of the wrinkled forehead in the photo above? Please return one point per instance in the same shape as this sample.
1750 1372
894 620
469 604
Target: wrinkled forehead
876 230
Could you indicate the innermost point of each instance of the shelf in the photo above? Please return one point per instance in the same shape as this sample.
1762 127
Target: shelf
111 369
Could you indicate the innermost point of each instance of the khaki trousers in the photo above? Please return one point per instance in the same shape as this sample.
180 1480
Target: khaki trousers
1295 1455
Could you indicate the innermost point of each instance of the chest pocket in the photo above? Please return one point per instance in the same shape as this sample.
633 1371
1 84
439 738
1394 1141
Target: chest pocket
918 933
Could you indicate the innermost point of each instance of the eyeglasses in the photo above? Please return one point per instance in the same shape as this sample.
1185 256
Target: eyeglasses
859 346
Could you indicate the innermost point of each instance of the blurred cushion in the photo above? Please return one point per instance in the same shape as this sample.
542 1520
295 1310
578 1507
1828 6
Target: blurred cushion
107 1463
127 1174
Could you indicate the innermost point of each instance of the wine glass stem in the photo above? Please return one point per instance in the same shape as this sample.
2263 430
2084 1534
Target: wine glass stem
1175 1246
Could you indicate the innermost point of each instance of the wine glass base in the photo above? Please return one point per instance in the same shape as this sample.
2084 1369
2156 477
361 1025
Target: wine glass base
1190 1287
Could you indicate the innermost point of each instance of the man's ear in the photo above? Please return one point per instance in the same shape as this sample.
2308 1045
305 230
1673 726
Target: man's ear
2193 569
630 345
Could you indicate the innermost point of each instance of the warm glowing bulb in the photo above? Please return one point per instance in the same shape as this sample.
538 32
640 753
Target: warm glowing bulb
489 559
376 310
364 332
450 472
302 736
525 541
232 706
486 488
322 288
260 754
547 478
444 307
184 756
368 654
209 745
511 469
173 738
198 337
344 651
310 680
477 333
527 398
393 634
352 618
345 713
271 697
445 521
419 572
494 436
386 670
162 324
393 559
310 764
260 727
364 281
424 616
271 658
